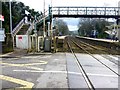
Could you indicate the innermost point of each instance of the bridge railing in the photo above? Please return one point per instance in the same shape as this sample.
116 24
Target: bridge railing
85 10
42 18
30 29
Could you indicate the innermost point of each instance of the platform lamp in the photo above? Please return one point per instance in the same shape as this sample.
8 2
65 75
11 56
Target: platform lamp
11 22
10 17
51 20
44 34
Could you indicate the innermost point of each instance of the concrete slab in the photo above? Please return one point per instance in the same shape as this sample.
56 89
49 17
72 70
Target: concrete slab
112 65
56 77
100 76
75 78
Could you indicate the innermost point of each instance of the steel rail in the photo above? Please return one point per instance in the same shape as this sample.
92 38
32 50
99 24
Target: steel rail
85 76
95 57
98 49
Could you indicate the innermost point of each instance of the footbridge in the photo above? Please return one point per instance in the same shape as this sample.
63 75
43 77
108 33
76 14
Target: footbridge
86 12
83 12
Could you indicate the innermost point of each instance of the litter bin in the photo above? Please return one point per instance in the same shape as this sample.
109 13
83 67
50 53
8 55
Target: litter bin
47 44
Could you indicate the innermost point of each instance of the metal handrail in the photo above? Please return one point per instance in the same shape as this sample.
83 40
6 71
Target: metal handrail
30 29
42 19
18 27
82 7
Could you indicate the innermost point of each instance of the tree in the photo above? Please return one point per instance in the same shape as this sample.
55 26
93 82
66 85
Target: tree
5 13
62 27
16 9
87 25
18 12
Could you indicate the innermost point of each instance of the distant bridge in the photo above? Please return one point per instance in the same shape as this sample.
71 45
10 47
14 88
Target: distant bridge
86 12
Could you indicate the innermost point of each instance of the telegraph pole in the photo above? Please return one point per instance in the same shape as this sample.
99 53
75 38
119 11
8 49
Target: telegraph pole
35 31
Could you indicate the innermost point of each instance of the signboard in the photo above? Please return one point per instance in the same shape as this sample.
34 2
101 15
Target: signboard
20 37
2 35
1 18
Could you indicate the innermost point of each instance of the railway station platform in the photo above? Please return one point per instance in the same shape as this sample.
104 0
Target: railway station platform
112 44
97 39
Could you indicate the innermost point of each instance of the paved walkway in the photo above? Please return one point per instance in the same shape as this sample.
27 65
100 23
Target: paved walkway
35 71
15 53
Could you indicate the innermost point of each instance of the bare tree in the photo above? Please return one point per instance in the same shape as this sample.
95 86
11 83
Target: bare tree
61 27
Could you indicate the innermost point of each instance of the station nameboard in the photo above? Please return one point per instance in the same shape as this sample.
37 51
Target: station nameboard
2 35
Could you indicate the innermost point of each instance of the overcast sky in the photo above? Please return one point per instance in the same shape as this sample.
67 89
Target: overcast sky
72 23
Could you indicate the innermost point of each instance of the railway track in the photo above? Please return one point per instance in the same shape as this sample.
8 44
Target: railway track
101 50
89 83
84 48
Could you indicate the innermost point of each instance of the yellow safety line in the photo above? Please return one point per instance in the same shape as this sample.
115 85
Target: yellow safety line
35 68
19 65
22 64
34 63
27 85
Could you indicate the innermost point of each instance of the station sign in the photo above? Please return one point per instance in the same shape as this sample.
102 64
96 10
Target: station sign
1 18
2 35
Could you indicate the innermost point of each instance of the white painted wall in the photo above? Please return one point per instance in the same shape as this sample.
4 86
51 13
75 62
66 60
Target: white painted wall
22 41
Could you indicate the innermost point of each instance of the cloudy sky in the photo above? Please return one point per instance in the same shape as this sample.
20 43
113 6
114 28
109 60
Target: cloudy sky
72 23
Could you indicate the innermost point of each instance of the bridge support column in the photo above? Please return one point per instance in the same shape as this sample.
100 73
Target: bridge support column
51 28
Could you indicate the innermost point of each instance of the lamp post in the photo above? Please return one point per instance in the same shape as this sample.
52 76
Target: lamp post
51 21
44 19
51 3
0 27
11 23
10 17
118 22
0 13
